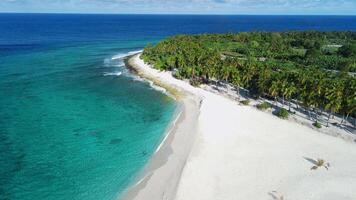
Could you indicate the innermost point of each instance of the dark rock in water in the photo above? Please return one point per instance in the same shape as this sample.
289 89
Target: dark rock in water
115 141
18 165
94 133
21 156
49 177
77 130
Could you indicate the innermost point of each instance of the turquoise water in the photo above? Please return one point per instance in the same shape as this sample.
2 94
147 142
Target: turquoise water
70 129
74 123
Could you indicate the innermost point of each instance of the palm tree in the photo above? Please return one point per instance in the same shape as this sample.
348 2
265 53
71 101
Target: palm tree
263 79
199 57
306 97
349 107
349 99
302 78
334 98
236 81
319 83
274 90
289 92
283 87
248 72
225 73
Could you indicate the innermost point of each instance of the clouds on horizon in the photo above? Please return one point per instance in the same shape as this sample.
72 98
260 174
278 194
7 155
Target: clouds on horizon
183 6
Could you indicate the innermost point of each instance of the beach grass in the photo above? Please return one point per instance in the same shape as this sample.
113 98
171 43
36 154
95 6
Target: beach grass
264 106
283 113
245 102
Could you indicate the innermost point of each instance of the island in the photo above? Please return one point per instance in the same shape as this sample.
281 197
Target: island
264 115
313 70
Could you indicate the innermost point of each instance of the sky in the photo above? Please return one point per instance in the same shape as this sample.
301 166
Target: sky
252 7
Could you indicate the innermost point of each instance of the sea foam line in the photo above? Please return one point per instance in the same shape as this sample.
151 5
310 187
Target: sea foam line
153 85
112 73
123 55
169 132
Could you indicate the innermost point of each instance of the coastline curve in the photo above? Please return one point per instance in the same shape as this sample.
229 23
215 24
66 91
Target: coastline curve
160 177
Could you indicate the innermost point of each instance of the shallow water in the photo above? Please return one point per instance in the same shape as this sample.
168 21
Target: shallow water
71 131
74 123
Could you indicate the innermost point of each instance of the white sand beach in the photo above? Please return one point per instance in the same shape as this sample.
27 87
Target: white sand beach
234 152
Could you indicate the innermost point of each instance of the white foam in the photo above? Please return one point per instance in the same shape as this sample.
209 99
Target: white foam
169 132
158 88
121 64
117 61
137 78
112 73
135 52
152 85
123 55
118 56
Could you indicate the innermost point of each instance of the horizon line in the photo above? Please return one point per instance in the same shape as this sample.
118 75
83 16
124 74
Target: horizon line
197 14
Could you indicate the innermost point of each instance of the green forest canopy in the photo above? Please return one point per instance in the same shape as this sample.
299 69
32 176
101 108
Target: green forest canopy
315 68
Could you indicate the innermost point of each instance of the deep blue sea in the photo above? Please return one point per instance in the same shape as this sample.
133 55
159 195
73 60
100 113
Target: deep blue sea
74 123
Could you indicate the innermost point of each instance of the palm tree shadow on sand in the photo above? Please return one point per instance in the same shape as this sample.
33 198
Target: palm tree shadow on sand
275 195
312 161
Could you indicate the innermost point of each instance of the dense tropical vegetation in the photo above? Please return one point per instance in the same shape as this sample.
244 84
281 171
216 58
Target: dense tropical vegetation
312 69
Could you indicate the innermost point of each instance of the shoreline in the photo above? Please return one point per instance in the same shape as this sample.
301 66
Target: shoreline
239 152
160 176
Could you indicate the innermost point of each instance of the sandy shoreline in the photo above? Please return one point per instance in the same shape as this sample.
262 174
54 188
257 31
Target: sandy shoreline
241 153
160 177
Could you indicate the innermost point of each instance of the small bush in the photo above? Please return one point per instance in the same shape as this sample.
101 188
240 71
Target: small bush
195 82
317 124
245 102
264 106
283 113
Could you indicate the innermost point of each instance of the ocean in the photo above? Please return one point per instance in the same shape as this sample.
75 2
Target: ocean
75 124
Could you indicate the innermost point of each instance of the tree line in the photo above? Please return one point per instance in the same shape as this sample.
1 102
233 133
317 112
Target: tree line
286 66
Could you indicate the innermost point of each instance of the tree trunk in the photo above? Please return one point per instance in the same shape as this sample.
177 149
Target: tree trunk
343 117
327 123
316 114
228 90
289 106
283 102
309 114
238 92
347 117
